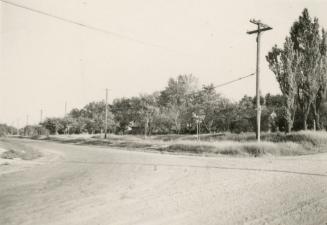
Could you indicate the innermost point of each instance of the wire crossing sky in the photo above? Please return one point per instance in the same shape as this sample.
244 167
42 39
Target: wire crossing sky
60 51
81 24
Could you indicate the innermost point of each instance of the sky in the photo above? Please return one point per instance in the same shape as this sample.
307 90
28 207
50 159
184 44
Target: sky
46 62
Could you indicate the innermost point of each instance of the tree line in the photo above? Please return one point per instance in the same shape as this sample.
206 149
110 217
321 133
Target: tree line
6 129
176 109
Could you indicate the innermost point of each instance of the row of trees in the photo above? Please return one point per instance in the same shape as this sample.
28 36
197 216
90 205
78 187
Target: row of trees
29 130
300 67
176 109
6 129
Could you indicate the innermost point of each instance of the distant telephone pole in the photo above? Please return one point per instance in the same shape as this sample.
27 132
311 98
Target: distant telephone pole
106 118
17 127
41 115
65 108
260 28
27 120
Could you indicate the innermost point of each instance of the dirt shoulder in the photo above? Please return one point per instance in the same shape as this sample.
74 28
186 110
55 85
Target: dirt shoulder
17 156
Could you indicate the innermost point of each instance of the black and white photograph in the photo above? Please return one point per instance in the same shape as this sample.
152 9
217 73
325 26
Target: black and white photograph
163 112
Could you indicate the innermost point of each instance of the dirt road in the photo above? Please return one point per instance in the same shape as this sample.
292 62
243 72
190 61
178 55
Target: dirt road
92 186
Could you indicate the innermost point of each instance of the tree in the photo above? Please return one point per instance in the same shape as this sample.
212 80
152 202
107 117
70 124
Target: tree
275 105
323 113
35 130
322 80
148 112
94 115
162 122
77 125
54 125
284 64
245 120
225 116
210 104
307 43
5 130
75 113
177 99
125 113
300 68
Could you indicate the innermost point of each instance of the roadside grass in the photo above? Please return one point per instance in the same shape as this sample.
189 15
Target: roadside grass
238 148
18 150
277 144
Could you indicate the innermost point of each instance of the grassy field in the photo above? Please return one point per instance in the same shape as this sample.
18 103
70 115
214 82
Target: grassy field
279 144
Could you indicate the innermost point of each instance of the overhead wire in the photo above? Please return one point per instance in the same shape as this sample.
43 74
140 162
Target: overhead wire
87 26
232 81
199 91
224 84
112 33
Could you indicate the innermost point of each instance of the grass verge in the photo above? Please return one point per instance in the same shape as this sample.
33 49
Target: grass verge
278 144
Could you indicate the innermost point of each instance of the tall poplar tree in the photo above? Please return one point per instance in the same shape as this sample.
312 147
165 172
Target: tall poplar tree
300 68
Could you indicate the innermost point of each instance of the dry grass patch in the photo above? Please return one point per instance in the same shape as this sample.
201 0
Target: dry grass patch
279 144
236 148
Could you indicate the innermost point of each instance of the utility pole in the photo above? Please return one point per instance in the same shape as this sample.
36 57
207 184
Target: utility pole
260 28
25 129
106 119
197 130
17 126
41 115
12 128
66 129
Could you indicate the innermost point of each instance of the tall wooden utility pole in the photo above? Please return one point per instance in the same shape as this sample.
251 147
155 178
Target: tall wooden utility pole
106 119
260 28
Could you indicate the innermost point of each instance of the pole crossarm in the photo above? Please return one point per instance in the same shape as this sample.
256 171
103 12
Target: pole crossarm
261 27
259 30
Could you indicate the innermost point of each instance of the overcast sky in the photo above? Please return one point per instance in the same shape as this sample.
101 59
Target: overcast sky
46 62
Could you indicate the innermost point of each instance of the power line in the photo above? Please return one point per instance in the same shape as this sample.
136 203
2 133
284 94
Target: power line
86 26
224 84
193 93
198 92
232 81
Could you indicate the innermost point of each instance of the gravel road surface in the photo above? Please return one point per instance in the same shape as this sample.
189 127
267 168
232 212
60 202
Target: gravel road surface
90 185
